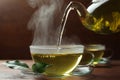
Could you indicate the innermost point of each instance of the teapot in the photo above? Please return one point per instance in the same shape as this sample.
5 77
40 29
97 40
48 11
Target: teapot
102 16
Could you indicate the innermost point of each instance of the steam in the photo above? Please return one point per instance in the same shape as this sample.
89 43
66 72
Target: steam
43 21
46 22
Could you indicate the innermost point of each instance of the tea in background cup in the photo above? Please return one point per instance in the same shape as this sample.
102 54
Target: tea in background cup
87 58
62 61
97 50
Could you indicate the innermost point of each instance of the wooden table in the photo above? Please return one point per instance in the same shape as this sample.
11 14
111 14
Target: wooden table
111 73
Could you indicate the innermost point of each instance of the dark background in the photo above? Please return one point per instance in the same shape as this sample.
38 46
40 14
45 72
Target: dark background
15 38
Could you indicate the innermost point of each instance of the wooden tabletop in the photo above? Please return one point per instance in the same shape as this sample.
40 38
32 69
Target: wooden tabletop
99 73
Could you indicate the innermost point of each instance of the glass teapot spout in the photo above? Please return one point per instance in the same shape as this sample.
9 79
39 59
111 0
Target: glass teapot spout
77 6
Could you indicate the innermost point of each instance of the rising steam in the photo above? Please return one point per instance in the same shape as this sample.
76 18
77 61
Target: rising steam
44 21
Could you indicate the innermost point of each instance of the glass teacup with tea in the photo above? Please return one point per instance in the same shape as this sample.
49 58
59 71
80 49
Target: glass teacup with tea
99 52
61 60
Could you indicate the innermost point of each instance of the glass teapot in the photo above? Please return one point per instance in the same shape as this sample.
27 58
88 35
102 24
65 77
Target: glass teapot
102 16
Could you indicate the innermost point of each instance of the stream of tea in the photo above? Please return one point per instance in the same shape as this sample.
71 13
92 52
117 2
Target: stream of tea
62 27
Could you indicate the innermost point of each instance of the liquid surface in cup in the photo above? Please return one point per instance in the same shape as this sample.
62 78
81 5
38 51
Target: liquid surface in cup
97 50
61 62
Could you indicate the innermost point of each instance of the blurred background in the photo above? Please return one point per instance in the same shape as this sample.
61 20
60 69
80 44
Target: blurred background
15 37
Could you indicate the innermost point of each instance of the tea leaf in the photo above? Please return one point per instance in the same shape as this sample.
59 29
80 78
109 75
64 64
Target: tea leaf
39 67
16 63
36 67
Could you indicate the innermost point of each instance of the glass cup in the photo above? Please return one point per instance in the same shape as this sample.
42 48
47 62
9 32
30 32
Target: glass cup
98 51
61 60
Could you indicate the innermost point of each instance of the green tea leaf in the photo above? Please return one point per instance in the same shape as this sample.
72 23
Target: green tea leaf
39 67
36 67
16 63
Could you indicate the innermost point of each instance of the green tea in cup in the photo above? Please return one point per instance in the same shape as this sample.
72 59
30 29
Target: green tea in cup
61 60
97 50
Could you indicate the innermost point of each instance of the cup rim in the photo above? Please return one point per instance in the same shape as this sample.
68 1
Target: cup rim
54 48
95 47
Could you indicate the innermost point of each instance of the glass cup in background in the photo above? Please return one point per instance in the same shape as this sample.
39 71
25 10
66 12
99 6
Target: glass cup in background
97 50
61 61
101 55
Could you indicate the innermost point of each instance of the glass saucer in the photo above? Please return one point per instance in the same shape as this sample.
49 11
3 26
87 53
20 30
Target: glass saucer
80 70
83 73
104 62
